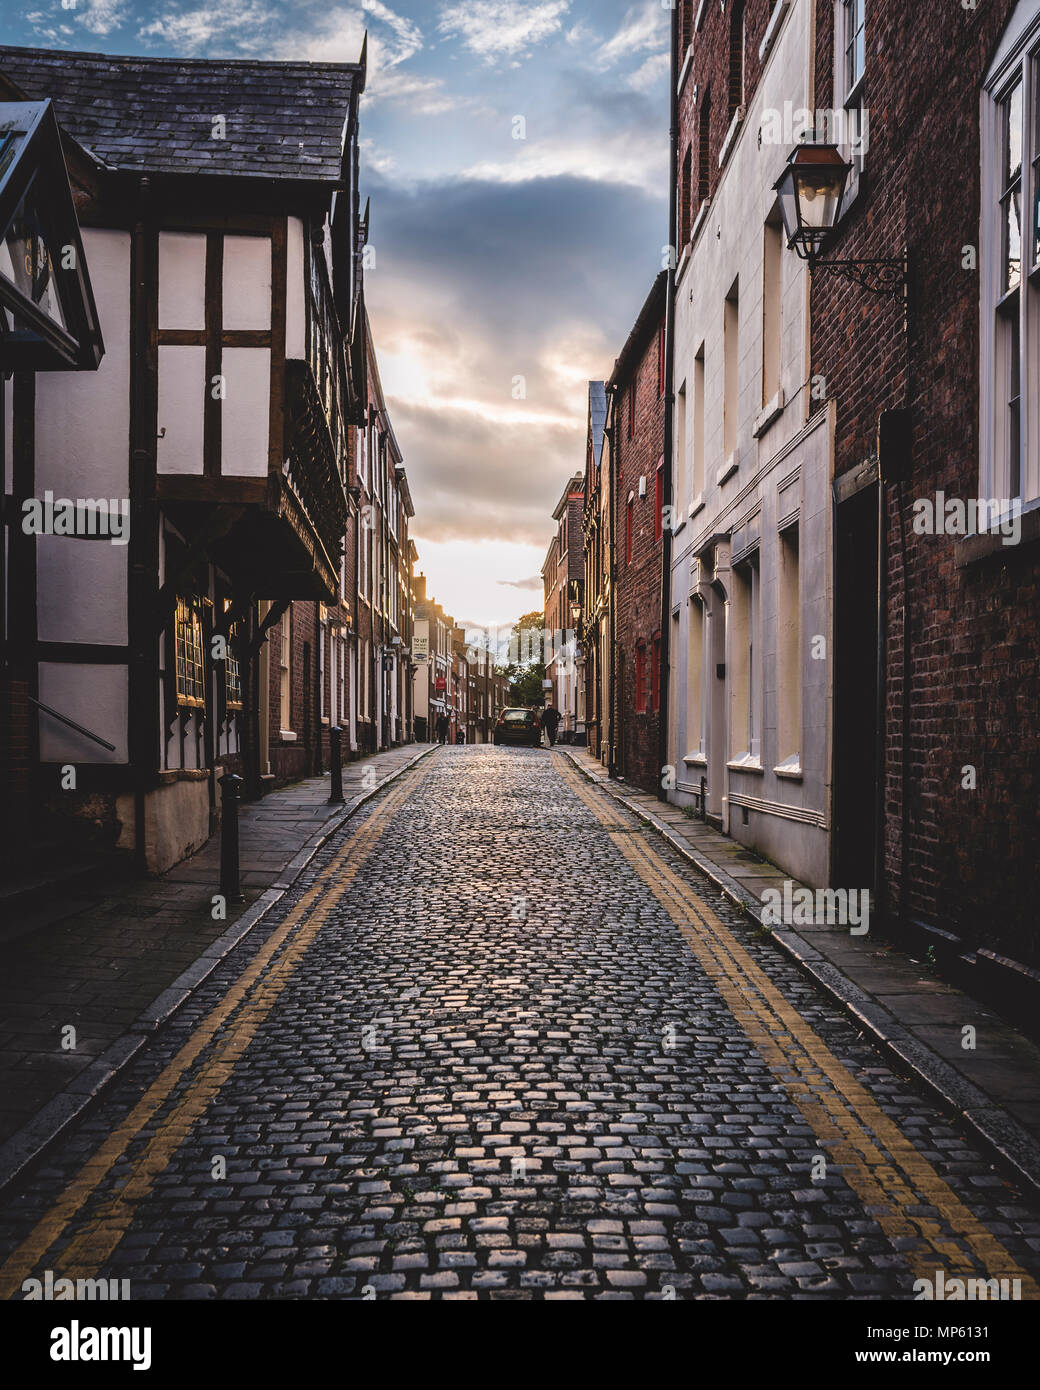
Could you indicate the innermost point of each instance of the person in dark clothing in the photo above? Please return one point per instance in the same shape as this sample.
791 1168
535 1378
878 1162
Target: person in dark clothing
551 721
442 728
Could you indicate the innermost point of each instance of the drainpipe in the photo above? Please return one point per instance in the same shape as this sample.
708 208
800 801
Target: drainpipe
609 434
663 680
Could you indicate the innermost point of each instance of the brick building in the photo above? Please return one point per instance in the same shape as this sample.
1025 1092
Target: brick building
751 573
433 652
563 579
635 427
594 627
958 664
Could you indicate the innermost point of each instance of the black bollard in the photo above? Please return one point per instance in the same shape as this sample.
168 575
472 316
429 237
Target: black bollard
704 799
230 885
336 759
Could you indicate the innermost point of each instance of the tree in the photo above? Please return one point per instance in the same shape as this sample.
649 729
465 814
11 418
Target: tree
527 671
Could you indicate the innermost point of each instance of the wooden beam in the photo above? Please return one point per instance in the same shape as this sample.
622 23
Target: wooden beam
211 448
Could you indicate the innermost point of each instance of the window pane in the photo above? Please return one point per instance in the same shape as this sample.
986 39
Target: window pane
1013 135
1012 240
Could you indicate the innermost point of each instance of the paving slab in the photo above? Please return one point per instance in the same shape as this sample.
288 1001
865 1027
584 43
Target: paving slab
100 970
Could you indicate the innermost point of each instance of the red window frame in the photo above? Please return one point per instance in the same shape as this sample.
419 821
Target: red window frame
659 501
655 673
630 520
640 677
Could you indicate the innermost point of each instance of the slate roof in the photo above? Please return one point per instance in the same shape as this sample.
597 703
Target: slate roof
597 418
283 120
651 312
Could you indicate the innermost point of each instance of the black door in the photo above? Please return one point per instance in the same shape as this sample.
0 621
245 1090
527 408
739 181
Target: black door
856 688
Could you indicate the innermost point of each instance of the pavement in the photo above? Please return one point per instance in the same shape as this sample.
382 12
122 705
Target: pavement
500 1040
920 1020
119 961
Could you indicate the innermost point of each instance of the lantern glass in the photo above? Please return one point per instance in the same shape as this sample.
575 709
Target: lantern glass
819 198
810 191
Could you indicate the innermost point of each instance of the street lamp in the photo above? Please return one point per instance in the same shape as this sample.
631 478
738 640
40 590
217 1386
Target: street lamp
810 191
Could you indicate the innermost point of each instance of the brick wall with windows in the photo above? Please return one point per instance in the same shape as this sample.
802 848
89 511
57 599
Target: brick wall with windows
637 453
957 858
719 68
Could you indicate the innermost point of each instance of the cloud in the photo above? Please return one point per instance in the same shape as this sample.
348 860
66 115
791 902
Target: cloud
195 29
643 27
502 27
481 282
320 33
425 96
615 158
408 34
651 73
102 16
535 582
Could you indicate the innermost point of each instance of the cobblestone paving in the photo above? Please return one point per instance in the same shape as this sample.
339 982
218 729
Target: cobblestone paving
498 1070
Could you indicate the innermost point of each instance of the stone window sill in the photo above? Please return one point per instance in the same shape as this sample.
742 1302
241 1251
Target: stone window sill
791 769
769 413
731 135
700 219
772 28
687 64
745 763
727 470
971 550
695 759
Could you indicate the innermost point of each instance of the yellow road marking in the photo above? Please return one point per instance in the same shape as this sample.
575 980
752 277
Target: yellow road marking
256 990
843 1115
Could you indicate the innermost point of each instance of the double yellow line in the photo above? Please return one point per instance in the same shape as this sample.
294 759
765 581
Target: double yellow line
878 1162
253 995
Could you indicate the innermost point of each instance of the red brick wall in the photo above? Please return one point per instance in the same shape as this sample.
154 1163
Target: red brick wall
967 861
709 68
638 599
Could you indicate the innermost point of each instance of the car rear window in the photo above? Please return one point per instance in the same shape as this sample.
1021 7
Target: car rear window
516 716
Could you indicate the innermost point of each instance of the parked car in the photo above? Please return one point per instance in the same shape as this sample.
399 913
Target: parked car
518 726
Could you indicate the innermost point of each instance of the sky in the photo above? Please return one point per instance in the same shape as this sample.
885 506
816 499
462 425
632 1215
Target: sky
515 154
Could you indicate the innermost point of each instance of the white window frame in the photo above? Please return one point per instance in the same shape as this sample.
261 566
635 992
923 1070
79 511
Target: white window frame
1017 59
846 98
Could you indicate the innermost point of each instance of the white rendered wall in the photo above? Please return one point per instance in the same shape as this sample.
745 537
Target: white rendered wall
83 418
245 412
94 696
247 282
751 503
81 590
182 400
182 280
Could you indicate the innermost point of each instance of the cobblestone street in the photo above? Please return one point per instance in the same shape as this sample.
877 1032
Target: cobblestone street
501 1041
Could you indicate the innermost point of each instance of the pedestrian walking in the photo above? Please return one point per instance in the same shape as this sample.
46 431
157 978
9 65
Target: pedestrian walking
442 728
551 720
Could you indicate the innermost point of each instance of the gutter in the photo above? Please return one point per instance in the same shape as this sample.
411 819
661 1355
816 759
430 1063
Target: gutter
663 678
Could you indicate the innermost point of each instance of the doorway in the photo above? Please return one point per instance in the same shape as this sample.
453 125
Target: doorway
855 689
